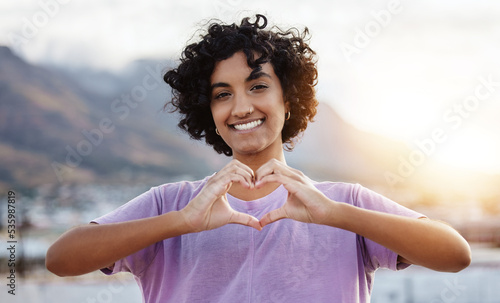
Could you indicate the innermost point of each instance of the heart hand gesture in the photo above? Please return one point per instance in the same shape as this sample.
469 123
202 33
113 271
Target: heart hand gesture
210 209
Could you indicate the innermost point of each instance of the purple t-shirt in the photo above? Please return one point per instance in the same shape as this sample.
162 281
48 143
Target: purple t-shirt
288 261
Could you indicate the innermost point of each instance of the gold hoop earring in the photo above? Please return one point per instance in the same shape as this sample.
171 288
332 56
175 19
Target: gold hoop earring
217 131
287 116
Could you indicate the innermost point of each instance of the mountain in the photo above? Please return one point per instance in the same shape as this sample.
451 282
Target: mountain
53 130
62 126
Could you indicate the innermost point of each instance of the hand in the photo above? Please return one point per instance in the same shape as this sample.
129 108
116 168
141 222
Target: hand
305 202
210 209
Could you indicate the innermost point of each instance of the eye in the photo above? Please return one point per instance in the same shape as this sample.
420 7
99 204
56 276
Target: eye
221 95
259 87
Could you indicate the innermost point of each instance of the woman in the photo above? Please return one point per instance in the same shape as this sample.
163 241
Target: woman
249 92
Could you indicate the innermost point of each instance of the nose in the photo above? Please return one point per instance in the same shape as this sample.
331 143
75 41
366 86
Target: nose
242 106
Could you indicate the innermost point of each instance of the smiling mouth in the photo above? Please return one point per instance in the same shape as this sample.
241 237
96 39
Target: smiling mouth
247 126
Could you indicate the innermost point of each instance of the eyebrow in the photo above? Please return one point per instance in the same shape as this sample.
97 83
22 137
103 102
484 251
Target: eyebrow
255 74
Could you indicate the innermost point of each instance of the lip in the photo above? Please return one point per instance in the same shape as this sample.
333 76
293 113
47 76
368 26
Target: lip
232 125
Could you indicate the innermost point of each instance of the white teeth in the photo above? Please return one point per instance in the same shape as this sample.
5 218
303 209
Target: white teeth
249 125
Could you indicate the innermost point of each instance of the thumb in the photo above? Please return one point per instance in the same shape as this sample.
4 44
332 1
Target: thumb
273 216
245 219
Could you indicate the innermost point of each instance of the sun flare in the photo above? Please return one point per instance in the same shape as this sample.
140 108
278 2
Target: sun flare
473 149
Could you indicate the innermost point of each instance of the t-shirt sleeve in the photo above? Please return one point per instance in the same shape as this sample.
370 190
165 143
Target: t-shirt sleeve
375 255
146 205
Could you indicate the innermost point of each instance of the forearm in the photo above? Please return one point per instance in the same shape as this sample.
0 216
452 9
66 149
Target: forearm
421 241
87 248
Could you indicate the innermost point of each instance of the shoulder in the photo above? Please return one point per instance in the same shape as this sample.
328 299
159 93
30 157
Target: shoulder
175 195
363 197
352 193
339 191
157 200
182 188
188 186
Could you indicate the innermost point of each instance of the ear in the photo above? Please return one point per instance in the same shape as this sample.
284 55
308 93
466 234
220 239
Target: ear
287 107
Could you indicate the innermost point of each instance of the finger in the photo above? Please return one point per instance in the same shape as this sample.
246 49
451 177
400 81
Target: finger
236 167
287 181
240 166
268 168
245 219
218 186
274 167
273 216
229 179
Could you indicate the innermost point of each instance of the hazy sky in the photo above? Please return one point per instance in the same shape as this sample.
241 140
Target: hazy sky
411 70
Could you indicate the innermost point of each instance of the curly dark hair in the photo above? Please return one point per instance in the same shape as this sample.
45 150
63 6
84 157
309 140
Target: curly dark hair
291 57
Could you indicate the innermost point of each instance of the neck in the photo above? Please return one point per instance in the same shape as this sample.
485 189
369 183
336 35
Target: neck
255 161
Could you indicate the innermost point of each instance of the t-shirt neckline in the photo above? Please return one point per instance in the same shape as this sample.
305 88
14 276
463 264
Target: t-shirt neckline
256 204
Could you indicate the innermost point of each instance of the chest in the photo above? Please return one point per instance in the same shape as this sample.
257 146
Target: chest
286 260
285 248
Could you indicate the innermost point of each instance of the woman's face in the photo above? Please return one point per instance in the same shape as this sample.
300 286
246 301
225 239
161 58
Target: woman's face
248 108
